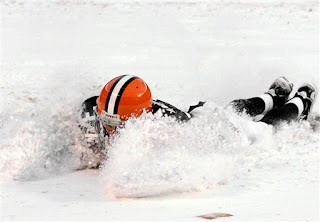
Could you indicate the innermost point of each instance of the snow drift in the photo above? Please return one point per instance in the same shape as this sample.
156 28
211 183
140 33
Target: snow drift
56 54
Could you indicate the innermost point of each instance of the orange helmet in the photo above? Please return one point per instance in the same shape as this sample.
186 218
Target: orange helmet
123 97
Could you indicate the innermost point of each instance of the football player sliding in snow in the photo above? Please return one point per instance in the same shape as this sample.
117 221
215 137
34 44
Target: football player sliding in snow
129 96
122 98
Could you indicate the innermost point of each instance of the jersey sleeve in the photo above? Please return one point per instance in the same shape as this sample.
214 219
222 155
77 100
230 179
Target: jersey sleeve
167 109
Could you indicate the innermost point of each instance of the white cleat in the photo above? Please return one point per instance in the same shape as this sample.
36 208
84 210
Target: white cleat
308 93
280 90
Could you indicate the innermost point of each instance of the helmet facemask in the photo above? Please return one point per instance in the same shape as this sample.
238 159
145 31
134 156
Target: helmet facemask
103 123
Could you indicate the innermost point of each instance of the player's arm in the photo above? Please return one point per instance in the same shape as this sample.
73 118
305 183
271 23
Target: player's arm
169 110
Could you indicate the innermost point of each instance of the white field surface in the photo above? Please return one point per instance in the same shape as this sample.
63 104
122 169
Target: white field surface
54 54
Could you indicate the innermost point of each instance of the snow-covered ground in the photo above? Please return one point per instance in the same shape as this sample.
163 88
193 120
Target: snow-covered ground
54 54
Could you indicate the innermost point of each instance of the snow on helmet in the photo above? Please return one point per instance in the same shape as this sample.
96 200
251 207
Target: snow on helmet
123 97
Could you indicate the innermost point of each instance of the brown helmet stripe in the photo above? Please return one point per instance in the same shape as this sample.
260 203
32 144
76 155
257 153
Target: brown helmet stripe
116 106
111 90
